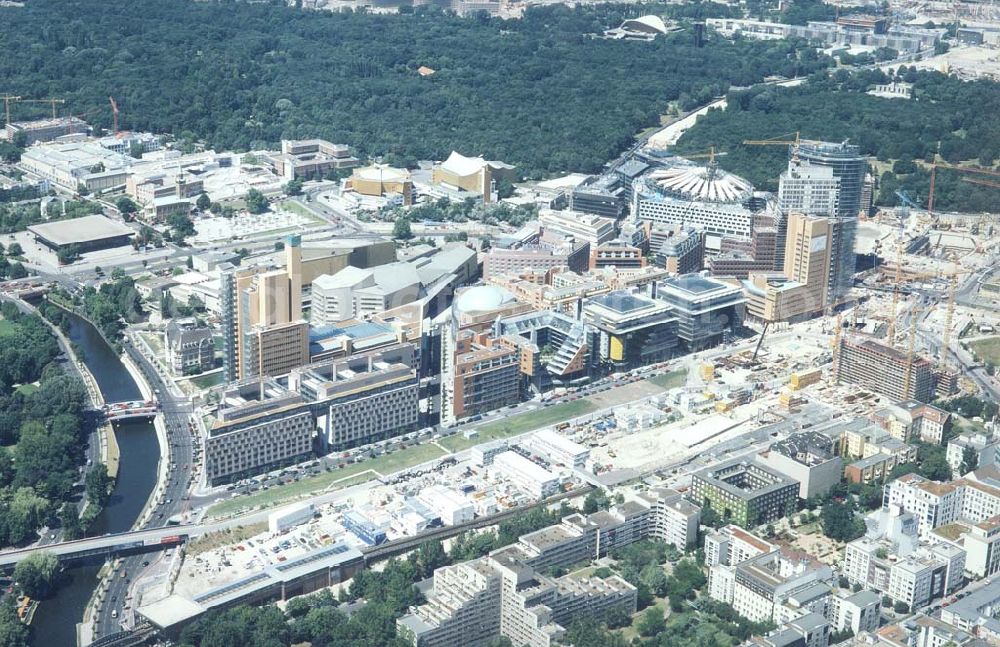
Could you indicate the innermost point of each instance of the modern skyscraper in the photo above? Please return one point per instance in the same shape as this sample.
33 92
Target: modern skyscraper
263 329
807 258
849 167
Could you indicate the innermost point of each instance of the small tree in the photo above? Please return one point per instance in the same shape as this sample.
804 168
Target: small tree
901 607
651 623
294 187
256 201
401 229
204 202
98 485
14 249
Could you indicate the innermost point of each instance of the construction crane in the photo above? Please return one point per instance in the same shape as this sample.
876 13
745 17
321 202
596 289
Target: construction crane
781 140
711 155
114 114
949 314
974 170
7 98
893 312
51 101
836 347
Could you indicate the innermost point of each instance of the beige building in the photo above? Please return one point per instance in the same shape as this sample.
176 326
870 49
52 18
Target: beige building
800 289
310 158
380 180
474 175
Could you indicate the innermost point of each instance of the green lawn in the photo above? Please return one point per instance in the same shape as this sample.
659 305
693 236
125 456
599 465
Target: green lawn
986 350
26 389
345 477
522 423
207 381
673 379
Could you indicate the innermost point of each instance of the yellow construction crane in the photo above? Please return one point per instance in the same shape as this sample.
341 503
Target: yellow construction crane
51 101
7 98
836 347
781 140
711 155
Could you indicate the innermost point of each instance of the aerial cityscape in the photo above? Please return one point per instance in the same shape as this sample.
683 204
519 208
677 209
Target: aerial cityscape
499 323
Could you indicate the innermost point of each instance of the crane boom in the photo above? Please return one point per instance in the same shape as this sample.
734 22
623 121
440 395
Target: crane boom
114 114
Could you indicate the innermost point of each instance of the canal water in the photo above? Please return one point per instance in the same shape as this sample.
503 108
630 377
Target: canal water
55 621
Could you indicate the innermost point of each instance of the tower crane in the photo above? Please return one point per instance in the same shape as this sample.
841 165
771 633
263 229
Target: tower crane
910 349
836 348
50 101
893 312
7 99
949 315
711 155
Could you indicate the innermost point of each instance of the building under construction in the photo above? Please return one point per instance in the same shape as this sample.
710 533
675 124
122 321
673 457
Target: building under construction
883 369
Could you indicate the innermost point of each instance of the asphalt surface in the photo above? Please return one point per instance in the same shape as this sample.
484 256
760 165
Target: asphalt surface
176 413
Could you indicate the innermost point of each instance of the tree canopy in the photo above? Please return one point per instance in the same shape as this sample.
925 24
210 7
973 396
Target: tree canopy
540 92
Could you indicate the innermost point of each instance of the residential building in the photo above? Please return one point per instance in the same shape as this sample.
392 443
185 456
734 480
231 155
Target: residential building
911 420
746 492
981 542
883 369
675 520
362 398
485 374
258 425
616 253
554 348
981 447
937 504
632 329
678 249
188 346
707 309
550 251
808 458
855 612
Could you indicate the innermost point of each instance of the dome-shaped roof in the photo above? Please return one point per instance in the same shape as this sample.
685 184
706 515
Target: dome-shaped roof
706 183
482 298
654 23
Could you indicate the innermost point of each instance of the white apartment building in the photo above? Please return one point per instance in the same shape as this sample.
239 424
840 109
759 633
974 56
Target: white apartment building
856 612
558 449
530 477
984 447
982 548
581 226
675 519
453 507
762 585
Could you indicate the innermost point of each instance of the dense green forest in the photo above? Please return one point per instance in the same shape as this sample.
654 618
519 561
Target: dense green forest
41 432
541 92
948 120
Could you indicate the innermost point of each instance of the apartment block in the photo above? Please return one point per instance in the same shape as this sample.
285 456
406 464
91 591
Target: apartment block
882 369
745 492
855 612
911 420
808 458
486 374
362 398
258 425
981 447
586 227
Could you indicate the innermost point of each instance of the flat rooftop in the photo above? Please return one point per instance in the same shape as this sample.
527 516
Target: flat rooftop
80 230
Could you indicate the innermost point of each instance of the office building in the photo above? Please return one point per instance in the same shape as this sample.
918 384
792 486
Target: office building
554 349
263 329
188 346
745 492
558 449
601 195
45 130
356 293
257 425
528 476
632 329
808 189
452 506
706 309
309 159
678 249
883 369
705 197
363 398
911 420
808 458
616 253
550 251
849 168
580 226
473 177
